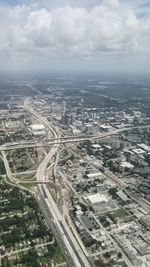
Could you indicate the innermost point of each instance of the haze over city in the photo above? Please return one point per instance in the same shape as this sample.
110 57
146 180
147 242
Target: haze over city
74 133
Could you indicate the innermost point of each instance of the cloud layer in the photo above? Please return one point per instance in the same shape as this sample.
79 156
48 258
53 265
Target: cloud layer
110 28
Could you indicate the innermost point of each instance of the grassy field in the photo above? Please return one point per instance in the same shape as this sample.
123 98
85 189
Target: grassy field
120 213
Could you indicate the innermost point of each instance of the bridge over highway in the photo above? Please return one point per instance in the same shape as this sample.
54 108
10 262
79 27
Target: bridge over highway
64 140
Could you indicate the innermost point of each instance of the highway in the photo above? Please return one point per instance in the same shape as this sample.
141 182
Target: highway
72 251
63 140
95 218
60 141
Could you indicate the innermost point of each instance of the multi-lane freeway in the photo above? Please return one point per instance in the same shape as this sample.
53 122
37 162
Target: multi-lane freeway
73 252
63 140
71 248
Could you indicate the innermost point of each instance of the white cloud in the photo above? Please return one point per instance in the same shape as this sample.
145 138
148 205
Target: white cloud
108 28
112 3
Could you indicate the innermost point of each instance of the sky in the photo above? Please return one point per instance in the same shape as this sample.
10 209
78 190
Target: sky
75 35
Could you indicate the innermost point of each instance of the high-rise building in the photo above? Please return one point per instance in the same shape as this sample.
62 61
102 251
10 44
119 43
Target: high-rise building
67 118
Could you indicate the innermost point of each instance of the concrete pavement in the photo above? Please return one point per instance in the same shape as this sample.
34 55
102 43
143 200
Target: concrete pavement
72 251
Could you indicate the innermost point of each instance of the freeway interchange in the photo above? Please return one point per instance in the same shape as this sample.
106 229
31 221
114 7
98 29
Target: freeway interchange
54 141
72 251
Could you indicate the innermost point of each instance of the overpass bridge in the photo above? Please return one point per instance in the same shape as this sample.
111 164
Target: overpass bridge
55 141
64 140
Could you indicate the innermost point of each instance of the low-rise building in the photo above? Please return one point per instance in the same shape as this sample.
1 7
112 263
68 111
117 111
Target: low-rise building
37 129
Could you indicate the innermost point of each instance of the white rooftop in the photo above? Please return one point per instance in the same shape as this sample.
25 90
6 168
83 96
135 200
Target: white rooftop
145 147
88 125
38 133
126 164
122 195
96 146
95 174
138 151
37 127
105 126
97 198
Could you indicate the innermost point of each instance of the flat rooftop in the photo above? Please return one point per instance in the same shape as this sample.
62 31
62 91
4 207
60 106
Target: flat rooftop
37 127
97 198
95 174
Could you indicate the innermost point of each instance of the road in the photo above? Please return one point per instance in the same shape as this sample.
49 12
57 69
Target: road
32 88
141 202
14 252
7 168
64 140
71 248
95 218
122 185
72 251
